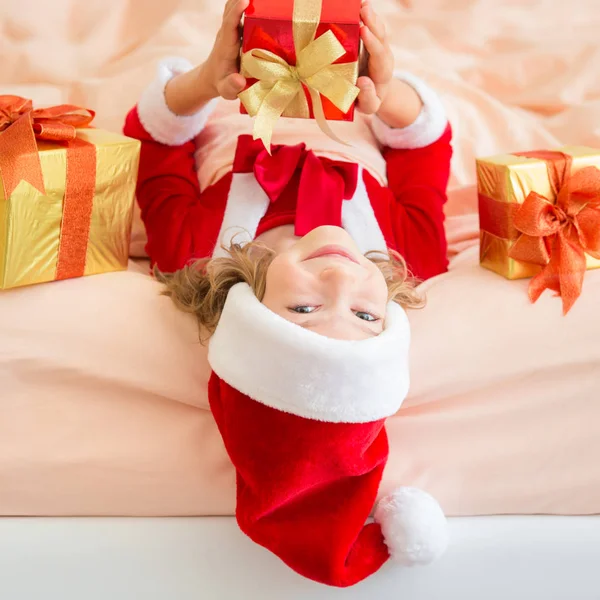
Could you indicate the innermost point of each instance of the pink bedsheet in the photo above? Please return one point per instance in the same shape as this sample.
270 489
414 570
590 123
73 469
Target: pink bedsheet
103 407
103 386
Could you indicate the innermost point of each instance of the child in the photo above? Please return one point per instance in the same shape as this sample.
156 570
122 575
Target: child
308 355
309 358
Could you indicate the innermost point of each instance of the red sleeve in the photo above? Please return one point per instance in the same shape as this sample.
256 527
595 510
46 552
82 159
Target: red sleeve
418 179
181 223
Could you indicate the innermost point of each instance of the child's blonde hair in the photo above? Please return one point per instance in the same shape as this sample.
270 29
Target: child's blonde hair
202 287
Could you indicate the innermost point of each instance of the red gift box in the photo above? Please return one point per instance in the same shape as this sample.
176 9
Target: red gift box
268 25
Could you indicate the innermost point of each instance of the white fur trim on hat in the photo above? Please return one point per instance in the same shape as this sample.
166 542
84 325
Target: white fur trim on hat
414 526
427 128
163 125
295 370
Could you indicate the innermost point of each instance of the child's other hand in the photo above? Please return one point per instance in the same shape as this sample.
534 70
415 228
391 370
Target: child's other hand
188 92
380 69
221 68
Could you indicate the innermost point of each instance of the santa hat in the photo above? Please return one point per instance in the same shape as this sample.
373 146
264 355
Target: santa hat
302 418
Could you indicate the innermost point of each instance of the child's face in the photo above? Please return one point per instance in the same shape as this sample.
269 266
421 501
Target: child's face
323 283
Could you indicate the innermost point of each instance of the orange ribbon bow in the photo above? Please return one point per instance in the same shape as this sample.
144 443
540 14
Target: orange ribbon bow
558 235
20 125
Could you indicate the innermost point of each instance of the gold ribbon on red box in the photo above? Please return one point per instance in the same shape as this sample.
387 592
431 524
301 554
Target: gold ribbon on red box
279 87
20 126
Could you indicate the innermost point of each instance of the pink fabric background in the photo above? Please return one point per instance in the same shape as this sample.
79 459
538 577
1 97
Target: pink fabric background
103 401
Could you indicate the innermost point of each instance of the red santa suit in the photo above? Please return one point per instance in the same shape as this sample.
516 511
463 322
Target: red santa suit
302 415
401 208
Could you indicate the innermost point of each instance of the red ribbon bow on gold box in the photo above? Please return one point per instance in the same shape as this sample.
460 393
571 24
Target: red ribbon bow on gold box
20 126
550 232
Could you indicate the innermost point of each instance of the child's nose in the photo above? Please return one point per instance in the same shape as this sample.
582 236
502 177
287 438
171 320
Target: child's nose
338 277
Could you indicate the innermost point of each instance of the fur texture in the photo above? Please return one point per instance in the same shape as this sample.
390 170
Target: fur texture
428 127
156 117
413 525
298 371
247 204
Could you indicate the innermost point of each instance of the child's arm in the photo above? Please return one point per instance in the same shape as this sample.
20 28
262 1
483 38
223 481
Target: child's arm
418 178
181 222
418 169
410 122
418 156
179 219
218 76
394 101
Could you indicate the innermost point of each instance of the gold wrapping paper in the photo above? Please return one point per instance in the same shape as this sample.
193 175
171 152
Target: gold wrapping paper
30 223
508 179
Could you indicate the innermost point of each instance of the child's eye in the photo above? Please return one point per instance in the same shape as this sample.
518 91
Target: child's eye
365 316
303 310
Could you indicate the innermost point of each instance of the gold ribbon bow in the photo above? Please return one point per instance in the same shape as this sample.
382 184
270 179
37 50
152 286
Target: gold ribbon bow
279 89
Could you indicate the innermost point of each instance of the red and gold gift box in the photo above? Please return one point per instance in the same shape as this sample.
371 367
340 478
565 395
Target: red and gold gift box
301 59
66 194
540 217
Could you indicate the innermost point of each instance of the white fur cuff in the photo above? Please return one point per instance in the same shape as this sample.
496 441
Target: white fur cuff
156 117
428 127
295 370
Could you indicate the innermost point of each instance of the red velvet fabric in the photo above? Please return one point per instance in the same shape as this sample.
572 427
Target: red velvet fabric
305 488
335 180
183 222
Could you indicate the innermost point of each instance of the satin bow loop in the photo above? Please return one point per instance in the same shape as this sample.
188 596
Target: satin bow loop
558 236
55 123
11 109
21 125
323 184
275 171
279 90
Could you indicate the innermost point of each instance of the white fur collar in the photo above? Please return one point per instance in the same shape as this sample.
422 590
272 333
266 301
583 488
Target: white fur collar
247 204
286 367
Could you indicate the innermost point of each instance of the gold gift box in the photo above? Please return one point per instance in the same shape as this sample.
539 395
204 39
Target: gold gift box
30 222
503 183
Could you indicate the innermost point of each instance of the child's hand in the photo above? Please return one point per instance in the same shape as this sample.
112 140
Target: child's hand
188 92
395 102
221 68
374 87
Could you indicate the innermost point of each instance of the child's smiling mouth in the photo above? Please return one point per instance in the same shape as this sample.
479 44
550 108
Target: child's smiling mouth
332 251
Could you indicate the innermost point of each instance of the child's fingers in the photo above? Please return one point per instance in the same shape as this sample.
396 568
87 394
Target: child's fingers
372 20
374 46
368 101
231 86
227 7
229 32
234 10
226 13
